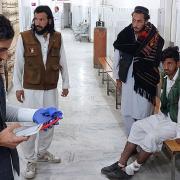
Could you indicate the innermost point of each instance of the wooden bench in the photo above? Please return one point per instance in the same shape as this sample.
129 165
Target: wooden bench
106 65
117 91
173 149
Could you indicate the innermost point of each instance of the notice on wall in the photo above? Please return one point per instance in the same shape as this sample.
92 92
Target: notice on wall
33 4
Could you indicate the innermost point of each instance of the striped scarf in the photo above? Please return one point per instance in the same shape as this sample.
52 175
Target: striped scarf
146 51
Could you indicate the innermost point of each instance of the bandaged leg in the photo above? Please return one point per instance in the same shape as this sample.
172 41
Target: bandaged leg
127 152
133 167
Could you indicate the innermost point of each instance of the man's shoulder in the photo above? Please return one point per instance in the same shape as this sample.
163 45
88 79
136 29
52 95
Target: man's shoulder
26 32
57 33
178 79
126 33
127 28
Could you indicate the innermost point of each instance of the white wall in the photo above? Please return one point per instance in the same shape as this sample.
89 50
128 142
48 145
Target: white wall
81 2
117 14
170 21
176 29
151 4
26 11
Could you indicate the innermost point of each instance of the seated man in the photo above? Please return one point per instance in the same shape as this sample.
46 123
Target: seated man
150 132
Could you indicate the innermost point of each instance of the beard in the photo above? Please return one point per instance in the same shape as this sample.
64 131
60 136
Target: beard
42 31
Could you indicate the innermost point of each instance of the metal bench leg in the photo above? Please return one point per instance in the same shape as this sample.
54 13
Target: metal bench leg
116 97
99 71
173 161
103 78
108 85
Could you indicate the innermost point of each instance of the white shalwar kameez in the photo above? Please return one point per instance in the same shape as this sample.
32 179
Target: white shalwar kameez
38 98
133 105
149 133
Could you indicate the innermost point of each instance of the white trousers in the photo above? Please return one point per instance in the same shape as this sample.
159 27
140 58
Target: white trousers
38 99
43 141
149 133
128 122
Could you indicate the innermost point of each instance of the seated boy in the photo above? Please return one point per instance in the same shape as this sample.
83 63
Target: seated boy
149 133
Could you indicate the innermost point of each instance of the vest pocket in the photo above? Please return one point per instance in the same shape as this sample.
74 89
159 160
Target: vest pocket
53 75
55 52
32 75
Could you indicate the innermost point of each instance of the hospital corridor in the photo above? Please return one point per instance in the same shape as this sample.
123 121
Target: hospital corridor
92 133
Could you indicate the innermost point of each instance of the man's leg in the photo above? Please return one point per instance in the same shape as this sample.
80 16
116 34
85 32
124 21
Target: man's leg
135 166
137 135
45 139
143 156
126 154
50 99
126 172
148 143
30 156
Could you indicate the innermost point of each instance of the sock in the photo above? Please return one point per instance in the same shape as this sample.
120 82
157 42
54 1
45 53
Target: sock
136 165
130 169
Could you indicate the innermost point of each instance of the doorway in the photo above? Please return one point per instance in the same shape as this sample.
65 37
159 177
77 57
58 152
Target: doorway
67 15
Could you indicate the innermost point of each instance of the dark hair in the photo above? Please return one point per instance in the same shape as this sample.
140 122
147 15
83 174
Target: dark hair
48 11
170 52
142 10
6 29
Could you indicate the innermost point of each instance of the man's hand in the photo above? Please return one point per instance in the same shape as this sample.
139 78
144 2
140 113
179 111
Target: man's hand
64 92
177 140
9 139
118 83
20 95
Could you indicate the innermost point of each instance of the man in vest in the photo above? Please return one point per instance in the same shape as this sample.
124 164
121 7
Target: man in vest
150 132
9 161
136 61
39 58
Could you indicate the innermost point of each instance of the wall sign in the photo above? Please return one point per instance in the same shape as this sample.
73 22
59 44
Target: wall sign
33 4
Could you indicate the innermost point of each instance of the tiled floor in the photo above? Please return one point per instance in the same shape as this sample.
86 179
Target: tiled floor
91 135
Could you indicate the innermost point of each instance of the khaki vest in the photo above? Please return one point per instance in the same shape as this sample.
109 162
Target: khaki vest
36 75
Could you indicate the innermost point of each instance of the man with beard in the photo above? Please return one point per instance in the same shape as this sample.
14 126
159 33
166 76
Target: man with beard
40 56
136 61
149 133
